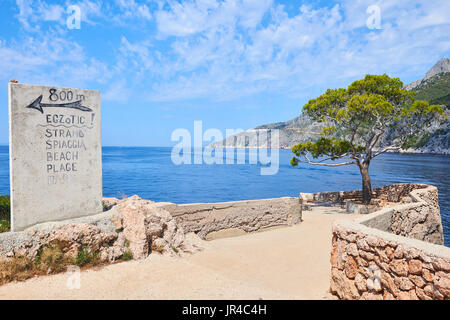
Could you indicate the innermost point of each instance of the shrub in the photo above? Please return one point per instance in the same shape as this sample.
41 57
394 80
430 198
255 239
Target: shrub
159 249
5 207
16 269
86 257
51 260
5 215
417 142
126 256
5 226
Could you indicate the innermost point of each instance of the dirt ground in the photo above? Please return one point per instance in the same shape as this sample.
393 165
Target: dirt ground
284 263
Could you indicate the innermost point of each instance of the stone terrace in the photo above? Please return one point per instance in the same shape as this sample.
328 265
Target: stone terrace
394 253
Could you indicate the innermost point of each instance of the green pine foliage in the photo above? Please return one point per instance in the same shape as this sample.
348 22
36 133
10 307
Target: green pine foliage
361 117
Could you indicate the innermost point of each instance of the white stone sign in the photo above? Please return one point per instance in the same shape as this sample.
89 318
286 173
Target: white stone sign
55 154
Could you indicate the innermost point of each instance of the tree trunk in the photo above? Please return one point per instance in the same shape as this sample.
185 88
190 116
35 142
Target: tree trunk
366 184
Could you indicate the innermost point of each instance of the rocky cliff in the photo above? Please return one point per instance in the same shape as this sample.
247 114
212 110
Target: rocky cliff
434 87
442 66
299 129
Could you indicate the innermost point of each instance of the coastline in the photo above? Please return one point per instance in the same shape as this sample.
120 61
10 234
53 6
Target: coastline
407 151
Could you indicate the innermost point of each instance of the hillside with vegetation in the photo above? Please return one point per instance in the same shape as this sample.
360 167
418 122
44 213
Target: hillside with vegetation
435 90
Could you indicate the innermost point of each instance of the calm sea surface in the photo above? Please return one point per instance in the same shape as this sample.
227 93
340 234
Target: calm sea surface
150 173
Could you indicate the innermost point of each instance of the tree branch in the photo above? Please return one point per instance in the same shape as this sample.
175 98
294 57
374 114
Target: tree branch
328 164
385 150
377 137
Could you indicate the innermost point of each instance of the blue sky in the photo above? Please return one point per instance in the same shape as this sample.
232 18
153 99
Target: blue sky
160 65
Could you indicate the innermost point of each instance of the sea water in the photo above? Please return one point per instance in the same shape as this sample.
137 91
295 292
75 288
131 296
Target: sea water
150 173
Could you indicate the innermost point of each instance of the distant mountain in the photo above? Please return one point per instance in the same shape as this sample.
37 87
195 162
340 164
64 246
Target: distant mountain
434 88
442 66
301 128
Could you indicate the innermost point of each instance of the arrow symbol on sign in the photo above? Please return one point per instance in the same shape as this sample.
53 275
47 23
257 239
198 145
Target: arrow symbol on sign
36 104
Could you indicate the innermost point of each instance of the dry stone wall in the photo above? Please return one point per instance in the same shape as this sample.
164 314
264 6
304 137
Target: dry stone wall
420 220
381 256
392 193
417 214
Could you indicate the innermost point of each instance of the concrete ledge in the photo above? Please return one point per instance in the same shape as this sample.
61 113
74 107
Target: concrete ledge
248 216
138 225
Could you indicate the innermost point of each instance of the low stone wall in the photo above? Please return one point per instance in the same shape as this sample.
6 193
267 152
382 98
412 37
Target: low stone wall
142 226
248 216
381 256
392 193
420 219
94 232
131 225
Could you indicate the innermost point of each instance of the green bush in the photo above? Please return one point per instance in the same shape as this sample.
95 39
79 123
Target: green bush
5 215
16 269
51 259
417 142
126 256
86 257
5 226
5 207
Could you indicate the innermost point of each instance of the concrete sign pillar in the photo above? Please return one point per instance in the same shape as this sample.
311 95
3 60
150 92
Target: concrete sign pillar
55 154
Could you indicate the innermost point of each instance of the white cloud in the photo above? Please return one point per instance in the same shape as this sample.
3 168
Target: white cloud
194 16
292 53
52 12
50 59
32 13
234 48
117 91
90 10
25 11
130 9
